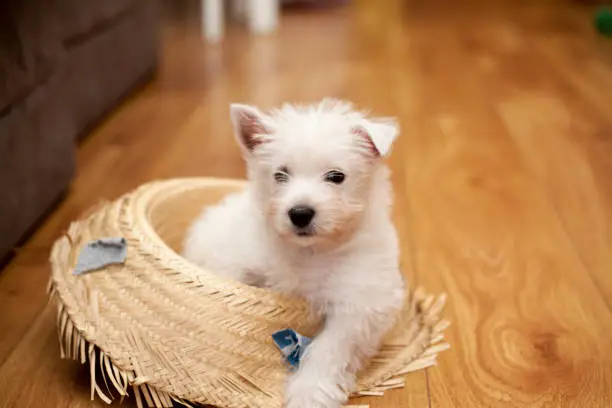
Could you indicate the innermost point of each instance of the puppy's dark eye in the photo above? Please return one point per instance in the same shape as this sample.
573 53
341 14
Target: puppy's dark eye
282 175
335 176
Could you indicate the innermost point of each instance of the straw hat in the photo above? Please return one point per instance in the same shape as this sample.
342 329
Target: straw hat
161 330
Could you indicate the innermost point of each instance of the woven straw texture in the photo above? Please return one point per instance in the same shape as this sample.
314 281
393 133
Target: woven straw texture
163 331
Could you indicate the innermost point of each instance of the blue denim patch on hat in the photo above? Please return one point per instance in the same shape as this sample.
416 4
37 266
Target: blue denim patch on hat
292 345
100 253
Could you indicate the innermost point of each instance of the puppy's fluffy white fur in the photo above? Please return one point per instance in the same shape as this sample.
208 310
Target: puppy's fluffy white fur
345 262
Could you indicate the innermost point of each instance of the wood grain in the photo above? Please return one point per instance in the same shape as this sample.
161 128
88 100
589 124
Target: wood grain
502 185
508 218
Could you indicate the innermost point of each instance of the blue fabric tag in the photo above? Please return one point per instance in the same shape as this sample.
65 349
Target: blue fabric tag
292 345
100 253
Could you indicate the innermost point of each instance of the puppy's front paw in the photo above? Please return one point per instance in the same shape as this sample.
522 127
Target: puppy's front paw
307 390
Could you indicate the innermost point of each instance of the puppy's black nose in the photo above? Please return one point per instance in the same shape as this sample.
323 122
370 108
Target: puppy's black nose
301 216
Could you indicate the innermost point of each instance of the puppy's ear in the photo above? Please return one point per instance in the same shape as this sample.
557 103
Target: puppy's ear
377 136
250 126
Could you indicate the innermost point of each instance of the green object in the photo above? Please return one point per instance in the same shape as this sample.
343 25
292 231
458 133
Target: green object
603 21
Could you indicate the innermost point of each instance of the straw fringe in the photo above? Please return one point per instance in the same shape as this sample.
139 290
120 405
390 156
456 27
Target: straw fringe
153 398
115 379
103 318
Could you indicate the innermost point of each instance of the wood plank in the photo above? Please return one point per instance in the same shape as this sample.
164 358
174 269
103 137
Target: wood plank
530 327
584 151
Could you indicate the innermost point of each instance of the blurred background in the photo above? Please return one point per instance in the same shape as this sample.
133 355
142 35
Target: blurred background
68 65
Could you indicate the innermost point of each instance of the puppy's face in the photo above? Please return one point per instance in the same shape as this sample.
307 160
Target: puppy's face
311 167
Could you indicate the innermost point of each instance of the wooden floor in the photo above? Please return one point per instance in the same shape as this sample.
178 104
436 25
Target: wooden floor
502 176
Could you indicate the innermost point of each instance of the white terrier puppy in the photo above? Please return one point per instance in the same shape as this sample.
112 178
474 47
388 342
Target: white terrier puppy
314 222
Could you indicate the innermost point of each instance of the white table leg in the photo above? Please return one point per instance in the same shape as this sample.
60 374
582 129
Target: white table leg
212 19
263 15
